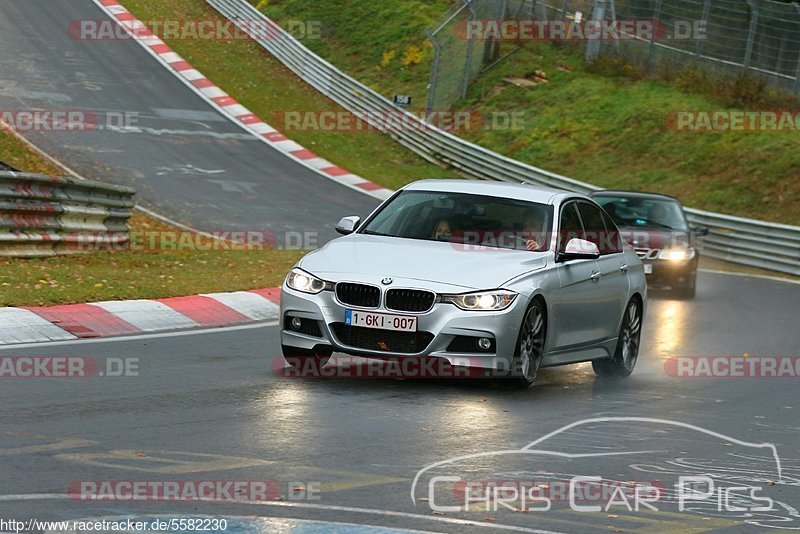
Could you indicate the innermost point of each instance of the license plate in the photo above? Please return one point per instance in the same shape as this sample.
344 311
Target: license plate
648 268
380 321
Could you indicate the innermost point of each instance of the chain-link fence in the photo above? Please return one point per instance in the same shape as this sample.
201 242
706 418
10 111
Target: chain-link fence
723 37
458 59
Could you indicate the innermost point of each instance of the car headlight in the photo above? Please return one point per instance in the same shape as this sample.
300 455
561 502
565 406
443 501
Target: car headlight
677 254
482 300
300 280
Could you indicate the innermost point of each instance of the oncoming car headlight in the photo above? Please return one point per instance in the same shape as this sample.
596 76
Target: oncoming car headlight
676 254
482 300
300 280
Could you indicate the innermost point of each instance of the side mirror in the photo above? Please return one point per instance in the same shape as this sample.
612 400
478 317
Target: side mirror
700 230
348 225
579 249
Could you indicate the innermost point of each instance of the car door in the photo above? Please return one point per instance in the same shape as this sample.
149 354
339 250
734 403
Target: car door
612 287
575 307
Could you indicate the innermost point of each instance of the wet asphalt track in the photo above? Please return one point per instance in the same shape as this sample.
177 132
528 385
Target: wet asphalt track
208 407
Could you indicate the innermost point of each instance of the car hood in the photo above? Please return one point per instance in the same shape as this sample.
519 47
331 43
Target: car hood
649 238
372 258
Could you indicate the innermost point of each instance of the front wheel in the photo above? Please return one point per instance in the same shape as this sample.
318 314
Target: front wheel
627 351
530 346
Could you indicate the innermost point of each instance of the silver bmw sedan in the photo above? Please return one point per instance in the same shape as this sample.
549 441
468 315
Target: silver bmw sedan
497 277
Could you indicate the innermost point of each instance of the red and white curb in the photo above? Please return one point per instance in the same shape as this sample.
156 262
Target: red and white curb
119 318
229 107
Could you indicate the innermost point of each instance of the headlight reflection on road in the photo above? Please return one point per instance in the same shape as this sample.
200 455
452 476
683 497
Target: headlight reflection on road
669 324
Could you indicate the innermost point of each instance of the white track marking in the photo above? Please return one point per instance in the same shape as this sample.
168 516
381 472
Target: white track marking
763 276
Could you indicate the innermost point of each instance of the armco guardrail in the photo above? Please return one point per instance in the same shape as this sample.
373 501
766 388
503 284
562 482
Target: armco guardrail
47 215
744 241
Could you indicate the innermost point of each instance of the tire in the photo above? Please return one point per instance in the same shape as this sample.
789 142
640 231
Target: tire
626 354
297 357
529 352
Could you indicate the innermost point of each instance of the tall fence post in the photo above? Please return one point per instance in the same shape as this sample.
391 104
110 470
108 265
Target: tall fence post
470 50
434 80
698 51
564 8
797 70
593 45
656 17
751 34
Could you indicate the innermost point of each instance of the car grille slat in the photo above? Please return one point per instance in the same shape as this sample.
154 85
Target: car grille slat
358 295
411 300
381 340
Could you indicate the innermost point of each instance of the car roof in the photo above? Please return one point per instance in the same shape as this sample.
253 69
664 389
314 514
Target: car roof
528 192
634 194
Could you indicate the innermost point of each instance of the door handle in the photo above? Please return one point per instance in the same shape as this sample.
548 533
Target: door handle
596 276
624 267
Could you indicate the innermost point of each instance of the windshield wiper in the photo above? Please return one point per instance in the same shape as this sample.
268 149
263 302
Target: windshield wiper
373 232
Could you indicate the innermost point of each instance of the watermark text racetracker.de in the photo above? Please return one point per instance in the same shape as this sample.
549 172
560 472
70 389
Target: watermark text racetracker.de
262 490
725 120
399 121
178 240
745 366
66 120
192 30
579 29
172 524
67 367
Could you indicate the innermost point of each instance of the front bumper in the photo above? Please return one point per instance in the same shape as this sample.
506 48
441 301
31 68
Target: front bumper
668 274
441 326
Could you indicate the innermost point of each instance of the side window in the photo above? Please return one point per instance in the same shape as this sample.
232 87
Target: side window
614 240
571 226
594 226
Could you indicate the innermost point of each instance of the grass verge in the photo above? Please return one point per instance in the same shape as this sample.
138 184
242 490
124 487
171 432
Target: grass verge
130 274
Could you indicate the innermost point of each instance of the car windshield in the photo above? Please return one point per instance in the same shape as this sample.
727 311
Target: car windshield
464 218
643 212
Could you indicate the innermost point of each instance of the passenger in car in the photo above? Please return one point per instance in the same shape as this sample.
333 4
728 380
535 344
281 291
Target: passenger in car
532 226
443 231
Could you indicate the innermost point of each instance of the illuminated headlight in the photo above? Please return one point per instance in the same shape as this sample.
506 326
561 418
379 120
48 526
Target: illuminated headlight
482 301
676 254
302 281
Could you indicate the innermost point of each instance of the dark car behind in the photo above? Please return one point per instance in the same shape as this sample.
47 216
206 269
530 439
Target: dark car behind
657 227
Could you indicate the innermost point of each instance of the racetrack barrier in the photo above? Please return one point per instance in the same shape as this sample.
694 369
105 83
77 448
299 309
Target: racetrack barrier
43 215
